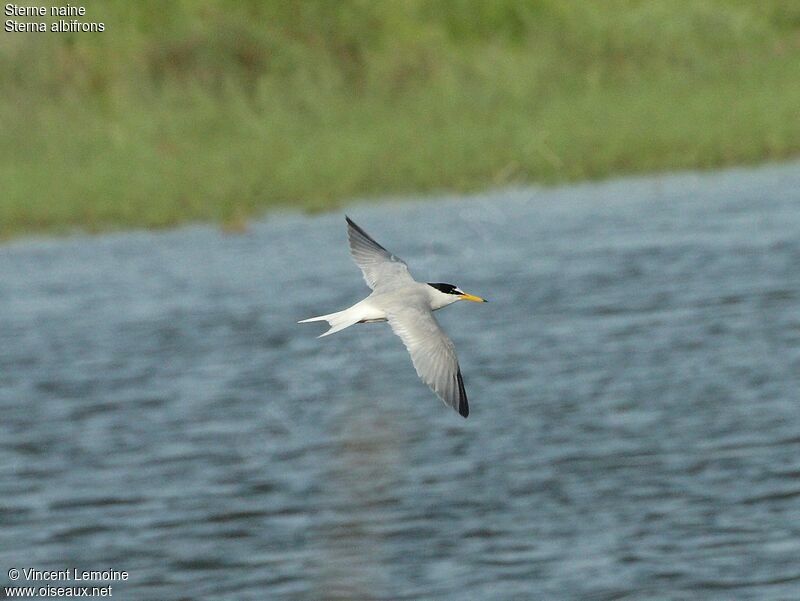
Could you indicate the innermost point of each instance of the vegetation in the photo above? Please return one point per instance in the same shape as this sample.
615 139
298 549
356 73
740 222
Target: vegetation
218 110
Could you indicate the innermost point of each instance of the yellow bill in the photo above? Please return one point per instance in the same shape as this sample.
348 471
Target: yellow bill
473 298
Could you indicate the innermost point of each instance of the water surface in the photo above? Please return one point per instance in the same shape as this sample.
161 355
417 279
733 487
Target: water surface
634 429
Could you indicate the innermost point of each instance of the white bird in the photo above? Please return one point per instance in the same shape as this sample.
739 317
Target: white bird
408 306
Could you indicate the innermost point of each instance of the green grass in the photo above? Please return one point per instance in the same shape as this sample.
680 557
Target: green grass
217 111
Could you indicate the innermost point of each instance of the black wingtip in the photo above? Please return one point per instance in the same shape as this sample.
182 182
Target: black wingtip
353 224
463 404
357 228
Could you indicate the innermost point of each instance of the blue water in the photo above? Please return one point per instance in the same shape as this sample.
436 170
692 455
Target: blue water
635 416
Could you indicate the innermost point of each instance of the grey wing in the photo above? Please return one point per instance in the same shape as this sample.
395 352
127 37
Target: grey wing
432 353
380 267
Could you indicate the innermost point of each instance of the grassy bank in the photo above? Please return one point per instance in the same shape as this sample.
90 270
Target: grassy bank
220 110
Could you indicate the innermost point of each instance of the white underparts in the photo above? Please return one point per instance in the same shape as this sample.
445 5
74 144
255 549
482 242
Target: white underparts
362 312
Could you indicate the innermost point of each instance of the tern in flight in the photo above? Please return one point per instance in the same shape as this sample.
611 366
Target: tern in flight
408 306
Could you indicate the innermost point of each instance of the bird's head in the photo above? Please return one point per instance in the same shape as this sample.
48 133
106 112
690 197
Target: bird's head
455 294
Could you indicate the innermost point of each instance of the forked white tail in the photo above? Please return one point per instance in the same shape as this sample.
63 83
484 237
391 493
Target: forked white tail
338 321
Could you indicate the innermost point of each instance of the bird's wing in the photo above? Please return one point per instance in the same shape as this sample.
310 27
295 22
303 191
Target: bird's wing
381 268
432 353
